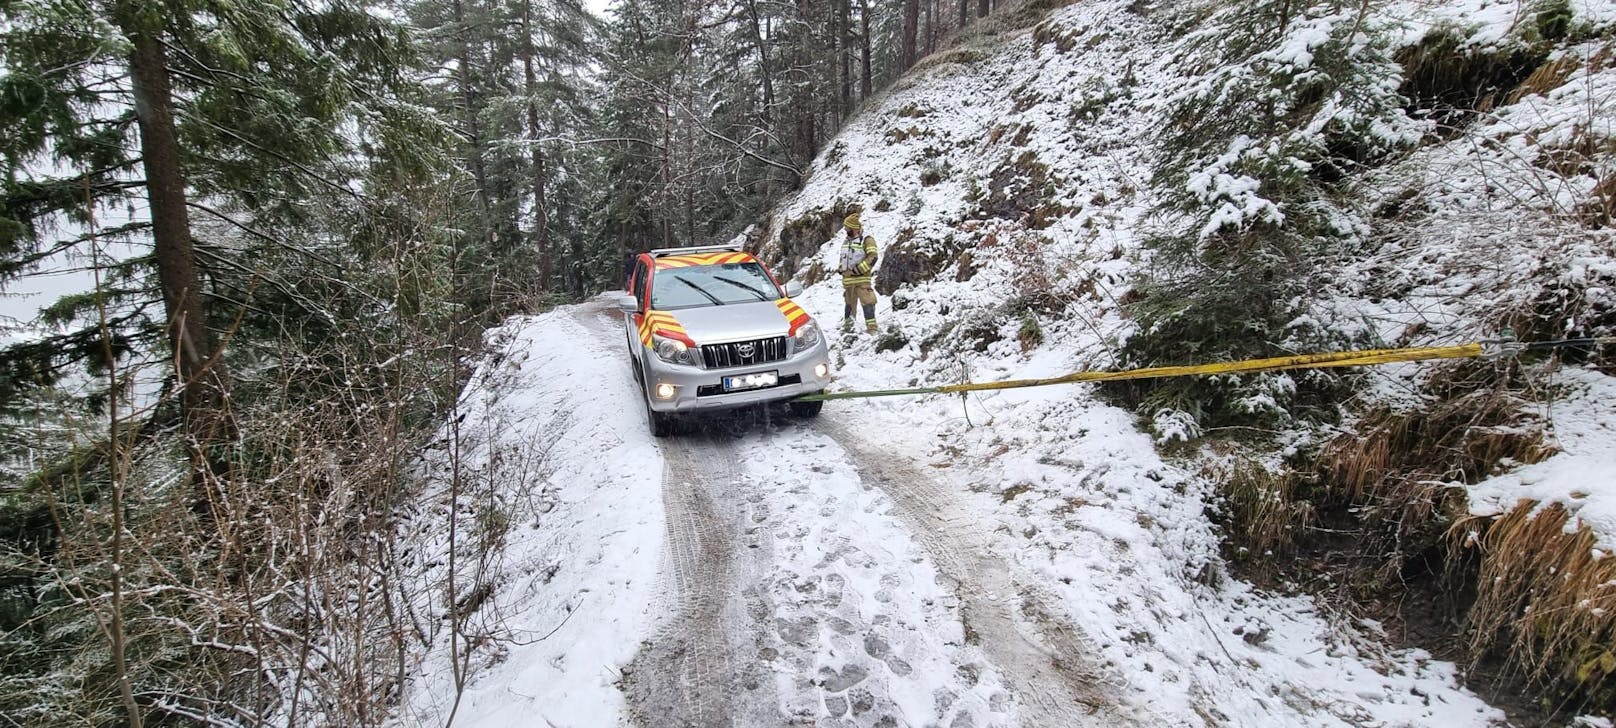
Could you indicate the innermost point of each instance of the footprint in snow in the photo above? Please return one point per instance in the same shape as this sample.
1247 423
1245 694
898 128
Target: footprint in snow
836 681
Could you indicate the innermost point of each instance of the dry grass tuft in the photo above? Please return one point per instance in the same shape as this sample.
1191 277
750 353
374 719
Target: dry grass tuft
1400 472
1600 209
1547 77
1546 597
1397 481
1459 440
1265 511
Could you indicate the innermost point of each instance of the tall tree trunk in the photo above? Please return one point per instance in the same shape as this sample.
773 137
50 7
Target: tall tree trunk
690 182
931 26
964 12
201 378
911 26
807 133
983 7
766 70
468 100
540 204
844 85
667 174
864 48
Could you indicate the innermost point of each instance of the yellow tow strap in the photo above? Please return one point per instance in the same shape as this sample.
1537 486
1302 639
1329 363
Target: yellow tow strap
1367 357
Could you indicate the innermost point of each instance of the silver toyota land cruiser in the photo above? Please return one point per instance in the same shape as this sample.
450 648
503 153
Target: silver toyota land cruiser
711 328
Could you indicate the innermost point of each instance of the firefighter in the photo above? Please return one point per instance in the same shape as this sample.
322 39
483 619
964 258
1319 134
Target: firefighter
857 267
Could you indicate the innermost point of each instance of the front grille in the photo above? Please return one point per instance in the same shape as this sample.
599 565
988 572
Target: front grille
709 390
744 353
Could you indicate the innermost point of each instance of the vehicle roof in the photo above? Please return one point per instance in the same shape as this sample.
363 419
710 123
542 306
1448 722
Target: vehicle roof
724 248
693 259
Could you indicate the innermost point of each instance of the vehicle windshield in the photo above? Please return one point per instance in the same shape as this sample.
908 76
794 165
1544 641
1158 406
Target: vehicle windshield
711 285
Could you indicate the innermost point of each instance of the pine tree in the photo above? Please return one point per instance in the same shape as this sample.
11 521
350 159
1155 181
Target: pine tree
516 82
1257 214
236 134
192 108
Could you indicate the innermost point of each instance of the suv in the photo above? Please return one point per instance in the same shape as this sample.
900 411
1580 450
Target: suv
710 328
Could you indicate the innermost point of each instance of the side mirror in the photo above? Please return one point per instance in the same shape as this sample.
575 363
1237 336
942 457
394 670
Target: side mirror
627 303
793 289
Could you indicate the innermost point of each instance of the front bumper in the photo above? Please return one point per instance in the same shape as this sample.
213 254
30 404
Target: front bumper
697 389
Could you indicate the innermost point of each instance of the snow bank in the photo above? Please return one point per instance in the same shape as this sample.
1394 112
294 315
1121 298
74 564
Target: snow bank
1582 425
545 453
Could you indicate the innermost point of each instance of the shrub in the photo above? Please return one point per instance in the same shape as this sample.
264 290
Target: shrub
1285 99
1031 333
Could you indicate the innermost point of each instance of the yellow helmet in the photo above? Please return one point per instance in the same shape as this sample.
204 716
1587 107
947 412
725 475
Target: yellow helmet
852 222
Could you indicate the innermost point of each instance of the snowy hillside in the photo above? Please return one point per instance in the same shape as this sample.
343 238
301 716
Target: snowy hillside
1010 182
990 212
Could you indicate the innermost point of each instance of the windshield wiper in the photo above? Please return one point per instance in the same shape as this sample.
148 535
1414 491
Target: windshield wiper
738 284
703 292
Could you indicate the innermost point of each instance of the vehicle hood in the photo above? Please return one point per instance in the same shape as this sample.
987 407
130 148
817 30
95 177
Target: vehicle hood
738 321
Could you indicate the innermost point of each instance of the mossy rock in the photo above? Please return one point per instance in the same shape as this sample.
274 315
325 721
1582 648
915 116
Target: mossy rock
892 339
802 236
1019 189
909 260
980 333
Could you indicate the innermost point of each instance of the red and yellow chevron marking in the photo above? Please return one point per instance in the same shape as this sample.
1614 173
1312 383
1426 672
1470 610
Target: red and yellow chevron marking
662 323
795 316
685 261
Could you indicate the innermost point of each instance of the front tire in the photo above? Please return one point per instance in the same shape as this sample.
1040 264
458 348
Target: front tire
806 410
661 423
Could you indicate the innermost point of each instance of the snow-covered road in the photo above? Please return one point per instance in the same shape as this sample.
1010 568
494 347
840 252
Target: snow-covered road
818 582
759 570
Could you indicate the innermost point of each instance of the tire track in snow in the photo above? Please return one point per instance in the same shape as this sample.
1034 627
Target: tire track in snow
702 669
683 675
1044 660
864 633
697 670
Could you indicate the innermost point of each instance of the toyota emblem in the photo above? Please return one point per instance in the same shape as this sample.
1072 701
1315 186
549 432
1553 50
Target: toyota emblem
745 351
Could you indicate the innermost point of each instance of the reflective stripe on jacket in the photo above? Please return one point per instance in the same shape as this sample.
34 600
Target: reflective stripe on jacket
858 261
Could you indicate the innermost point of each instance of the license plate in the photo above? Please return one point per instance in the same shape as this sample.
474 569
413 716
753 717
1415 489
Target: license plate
751 381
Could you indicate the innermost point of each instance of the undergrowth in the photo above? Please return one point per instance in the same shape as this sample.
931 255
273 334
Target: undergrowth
1533 591
1545 601
1257 212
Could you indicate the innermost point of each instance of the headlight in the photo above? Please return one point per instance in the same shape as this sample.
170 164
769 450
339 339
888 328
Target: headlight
673 351
806 337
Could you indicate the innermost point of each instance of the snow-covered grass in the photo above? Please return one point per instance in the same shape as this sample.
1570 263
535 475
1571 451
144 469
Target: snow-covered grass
1500 231
1580 416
